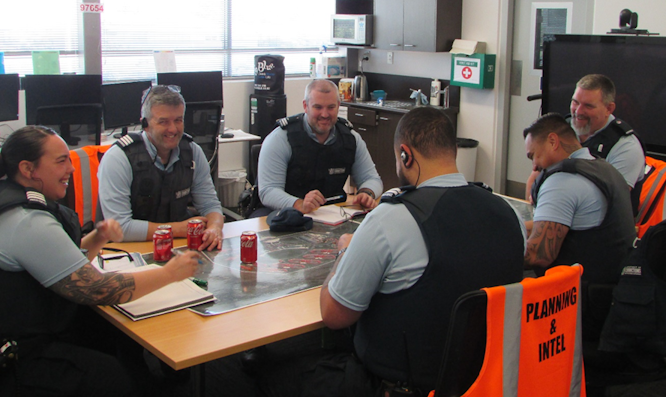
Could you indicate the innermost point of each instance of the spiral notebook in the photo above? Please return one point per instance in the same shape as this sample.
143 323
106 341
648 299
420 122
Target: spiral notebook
170 298
334 215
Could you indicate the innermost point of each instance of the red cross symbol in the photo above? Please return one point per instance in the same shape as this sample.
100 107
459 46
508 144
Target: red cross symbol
467 72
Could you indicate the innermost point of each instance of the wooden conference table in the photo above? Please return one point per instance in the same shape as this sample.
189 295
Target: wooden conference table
184 339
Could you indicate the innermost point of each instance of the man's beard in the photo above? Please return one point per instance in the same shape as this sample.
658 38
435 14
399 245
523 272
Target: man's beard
319 131
585 130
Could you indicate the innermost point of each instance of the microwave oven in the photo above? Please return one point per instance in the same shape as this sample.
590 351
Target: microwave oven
351 29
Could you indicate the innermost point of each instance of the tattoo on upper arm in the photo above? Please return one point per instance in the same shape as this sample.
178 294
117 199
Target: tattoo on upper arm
87 286
545 242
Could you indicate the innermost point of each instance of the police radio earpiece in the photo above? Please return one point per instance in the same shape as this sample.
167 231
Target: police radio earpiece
404 157
144 123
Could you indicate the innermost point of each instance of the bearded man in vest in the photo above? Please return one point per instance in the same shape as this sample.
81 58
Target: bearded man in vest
307 158
583 214
399 274
608 137
148 179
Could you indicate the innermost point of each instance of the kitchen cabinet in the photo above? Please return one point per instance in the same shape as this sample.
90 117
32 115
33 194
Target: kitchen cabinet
417 25
377 129
385 161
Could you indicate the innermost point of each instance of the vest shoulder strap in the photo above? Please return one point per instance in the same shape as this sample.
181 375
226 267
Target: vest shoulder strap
14 196
286 121
129 139
392 196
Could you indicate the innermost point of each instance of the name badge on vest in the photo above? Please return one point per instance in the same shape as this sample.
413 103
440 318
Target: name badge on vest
336 171
182 193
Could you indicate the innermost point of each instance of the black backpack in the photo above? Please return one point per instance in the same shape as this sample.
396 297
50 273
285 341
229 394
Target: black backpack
637 318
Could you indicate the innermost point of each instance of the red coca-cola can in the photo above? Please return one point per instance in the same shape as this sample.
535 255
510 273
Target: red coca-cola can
167 228
248 245
162 245
195 230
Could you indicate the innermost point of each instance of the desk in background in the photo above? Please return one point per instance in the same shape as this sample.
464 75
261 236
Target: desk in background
233 160
234 153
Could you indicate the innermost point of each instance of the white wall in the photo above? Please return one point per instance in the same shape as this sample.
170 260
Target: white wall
478 118
650 15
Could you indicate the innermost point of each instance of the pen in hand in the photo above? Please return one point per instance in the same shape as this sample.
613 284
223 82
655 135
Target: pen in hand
335 198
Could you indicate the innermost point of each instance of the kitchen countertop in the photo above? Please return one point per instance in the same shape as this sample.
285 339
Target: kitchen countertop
392 106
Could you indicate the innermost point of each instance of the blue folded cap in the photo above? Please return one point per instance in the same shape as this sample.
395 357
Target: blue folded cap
288 220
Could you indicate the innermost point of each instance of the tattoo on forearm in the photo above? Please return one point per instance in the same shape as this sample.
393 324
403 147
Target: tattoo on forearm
87 286
545 242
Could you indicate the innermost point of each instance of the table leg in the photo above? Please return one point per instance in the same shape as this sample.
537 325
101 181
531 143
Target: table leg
198 380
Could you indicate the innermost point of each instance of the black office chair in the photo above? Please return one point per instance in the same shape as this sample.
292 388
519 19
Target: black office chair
462 370
202 122
465 345
249 201
254 163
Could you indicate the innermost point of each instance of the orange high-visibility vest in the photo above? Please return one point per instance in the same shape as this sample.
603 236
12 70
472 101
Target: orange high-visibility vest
84 180
651 207
534 339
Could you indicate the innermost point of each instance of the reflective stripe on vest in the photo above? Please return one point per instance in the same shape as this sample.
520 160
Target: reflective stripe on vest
85 161
651 209
534 338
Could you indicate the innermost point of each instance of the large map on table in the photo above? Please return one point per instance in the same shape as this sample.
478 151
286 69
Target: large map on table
287 263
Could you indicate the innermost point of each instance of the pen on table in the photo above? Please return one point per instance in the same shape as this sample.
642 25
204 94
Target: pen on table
179 253
334 198
201 283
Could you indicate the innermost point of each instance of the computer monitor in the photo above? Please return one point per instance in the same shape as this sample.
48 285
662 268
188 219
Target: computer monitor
634 63
195 86
71 104
9 96
122 104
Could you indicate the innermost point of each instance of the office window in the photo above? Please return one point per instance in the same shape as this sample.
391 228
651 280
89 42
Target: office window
40 25
210 34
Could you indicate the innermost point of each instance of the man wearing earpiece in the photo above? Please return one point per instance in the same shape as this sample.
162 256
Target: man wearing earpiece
308 157
414 255
148 179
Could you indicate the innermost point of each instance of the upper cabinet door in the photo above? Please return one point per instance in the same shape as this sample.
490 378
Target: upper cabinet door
420 25
417 25
388 24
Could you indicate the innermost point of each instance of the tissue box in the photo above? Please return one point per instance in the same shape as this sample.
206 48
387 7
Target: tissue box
332 66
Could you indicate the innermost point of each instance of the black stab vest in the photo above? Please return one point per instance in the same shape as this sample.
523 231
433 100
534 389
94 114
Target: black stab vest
602 142
474 240
600 249
159 196
316 166
27 309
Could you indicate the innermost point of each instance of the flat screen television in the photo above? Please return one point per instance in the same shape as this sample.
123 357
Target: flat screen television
9 96
122 104
71 104
636 64
196 86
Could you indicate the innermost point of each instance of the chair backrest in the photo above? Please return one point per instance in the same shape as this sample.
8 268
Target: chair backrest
82 192
202 121
533 340
254 163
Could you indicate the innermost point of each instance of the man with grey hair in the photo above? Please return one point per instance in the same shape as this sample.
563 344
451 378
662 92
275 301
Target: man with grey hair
148 179
304 163
592 106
